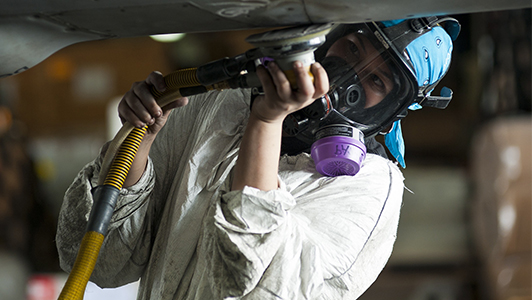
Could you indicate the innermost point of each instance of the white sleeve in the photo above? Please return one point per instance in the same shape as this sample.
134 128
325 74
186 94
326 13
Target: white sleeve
315 237
125 250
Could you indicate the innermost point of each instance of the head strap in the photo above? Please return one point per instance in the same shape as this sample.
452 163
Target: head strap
403 33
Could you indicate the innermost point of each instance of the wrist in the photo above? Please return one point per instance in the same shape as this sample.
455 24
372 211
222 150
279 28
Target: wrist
149 138
273 121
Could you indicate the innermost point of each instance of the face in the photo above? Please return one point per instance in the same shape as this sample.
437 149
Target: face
374 73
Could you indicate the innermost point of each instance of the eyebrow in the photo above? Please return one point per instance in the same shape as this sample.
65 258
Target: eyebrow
378 68
361 42
387 74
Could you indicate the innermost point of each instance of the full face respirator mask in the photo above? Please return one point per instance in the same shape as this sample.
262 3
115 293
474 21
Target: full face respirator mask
372 85
369 86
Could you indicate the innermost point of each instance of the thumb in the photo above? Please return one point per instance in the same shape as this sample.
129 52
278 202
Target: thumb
174 104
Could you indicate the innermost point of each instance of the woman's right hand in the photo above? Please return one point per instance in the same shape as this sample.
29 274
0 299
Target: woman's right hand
138 106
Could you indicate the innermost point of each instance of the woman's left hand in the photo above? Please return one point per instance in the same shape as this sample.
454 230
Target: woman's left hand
280 99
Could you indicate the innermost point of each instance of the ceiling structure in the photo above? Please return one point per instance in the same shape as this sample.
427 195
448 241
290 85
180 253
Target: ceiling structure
32 30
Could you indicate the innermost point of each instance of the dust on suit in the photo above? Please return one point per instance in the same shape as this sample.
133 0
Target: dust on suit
186 235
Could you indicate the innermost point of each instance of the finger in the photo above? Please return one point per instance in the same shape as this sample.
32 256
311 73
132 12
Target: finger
126 113
321 80
305 86
174 104
136 99
156 79
265 79
281 83
149 105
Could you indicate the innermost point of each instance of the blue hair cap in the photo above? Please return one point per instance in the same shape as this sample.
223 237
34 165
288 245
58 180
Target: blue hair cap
430 55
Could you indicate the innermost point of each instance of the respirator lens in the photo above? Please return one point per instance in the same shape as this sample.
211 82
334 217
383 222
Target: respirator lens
370 83
338 150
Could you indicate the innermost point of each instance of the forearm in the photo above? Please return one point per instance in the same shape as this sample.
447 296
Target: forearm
258 159
139 163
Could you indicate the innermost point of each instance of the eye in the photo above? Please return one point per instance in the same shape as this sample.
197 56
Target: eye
353 49
377 83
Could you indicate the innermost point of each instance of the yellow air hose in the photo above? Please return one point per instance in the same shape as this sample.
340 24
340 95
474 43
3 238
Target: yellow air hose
114 170
124 146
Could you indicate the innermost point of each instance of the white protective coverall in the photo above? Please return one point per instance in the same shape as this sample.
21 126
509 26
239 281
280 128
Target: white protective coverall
187 236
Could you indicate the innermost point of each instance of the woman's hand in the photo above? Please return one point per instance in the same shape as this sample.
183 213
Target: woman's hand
280 99
258 158
138 106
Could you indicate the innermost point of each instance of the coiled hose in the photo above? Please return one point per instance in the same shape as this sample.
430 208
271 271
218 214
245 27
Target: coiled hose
114 170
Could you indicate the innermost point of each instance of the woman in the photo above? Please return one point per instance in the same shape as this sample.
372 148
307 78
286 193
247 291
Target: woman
212 210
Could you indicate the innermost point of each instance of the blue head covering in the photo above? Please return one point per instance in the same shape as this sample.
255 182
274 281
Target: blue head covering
430 55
